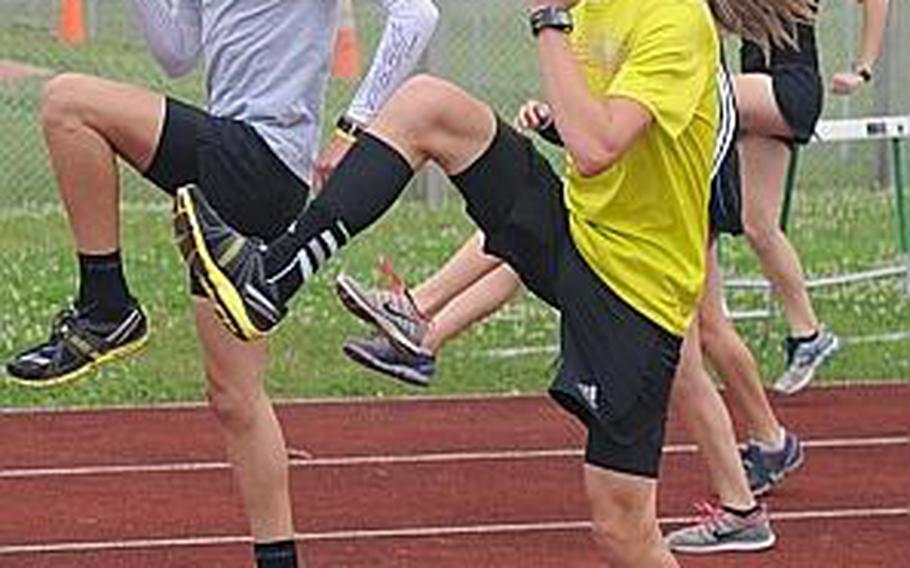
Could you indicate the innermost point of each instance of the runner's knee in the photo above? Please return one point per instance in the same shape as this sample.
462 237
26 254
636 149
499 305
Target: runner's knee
761 235
232 403
430 108
62 99
622 532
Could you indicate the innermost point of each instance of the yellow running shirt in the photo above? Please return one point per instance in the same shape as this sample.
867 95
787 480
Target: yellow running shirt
642 225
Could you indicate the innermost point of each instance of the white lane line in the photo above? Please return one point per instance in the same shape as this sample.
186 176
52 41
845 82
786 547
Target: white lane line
425 458
534 350
419 532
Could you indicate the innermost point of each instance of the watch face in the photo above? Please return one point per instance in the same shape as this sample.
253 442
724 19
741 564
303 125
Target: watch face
551 17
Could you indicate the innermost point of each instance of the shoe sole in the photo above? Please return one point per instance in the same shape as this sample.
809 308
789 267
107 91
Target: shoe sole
728 547
364 310
762 490
229 304
121 352
191 261
402 374
348 302
810 374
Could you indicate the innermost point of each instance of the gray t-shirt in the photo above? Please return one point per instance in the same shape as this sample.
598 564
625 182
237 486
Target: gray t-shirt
267 61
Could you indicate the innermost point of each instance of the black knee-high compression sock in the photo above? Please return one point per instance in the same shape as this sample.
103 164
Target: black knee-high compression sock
363 187
275 554
103 292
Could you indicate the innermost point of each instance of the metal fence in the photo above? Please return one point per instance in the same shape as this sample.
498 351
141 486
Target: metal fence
481 44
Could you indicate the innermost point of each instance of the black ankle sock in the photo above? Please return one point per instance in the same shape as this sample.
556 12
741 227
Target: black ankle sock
363 187
742 513
280 554
103 292
806 338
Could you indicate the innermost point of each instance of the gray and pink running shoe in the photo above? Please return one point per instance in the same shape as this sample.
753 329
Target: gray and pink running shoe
719 530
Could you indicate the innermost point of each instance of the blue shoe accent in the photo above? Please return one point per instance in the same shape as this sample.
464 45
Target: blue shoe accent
766 469
380 354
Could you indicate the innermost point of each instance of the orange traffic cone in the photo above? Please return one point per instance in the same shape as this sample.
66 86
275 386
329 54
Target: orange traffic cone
346 62
71 28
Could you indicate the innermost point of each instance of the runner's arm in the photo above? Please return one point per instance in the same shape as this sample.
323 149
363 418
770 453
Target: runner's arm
873 34
596 133
870 47
409 26
173 32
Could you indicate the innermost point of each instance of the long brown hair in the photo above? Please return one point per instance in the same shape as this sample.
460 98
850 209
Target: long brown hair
764 21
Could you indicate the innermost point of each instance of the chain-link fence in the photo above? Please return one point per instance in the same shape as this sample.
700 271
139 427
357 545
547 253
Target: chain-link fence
481 44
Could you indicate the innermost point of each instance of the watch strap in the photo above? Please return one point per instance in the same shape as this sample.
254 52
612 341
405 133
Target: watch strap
349 128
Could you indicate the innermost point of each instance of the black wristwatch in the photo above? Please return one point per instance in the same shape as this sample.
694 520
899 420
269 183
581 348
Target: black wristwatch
348 127
864 72
552 17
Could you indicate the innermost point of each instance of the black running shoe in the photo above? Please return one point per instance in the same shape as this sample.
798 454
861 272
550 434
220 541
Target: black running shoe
229 265
77 346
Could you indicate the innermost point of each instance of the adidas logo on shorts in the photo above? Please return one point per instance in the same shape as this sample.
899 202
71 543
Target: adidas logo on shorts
589 392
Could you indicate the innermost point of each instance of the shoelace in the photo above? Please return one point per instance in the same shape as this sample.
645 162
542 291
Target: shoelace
710 516
389 278
62 320
391 281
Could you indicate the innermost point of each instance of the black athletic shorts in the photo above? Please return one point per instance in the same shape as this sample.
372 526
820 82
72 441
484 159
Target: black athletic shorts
249 186
616 365
798 89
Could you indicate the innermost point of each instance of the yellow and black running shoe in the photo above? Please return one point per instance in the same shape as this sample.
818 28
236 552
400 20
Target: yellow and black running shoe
78 345
229 266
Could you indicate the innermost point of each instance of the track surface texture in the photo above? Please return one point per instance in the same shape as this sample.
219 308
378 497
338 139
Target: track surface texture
472 482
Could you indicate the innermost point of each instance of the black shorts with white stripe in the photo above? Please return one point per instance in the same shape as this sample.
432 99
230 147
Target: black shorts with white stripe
725 207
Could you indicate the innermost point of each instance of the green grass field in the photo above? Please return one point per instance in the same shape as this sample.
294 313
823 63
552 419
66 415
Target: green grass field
839 225
37 276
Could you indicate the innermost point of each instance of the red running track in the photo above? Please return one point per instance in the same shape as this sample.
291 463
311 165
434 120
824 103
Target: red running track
465 482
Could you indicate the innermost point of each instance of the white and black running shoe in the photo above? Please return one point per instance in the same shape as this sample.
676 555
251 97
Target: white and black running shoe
77 345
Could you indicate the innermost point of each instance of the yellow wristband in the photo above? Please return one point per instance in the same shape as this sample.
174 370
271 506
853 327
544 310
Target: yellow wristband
345 135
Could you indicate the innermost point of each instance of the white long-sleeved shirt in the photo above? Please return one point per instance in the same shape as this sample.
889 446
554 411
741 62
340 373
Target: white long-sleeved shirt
267 61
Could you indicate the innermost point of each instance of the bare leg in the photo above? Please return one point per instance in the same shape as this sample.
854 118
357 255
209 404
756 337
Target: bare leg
696 398
430 119
624 511
481 299
469 265
764 162
733 361
87 122
255 445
